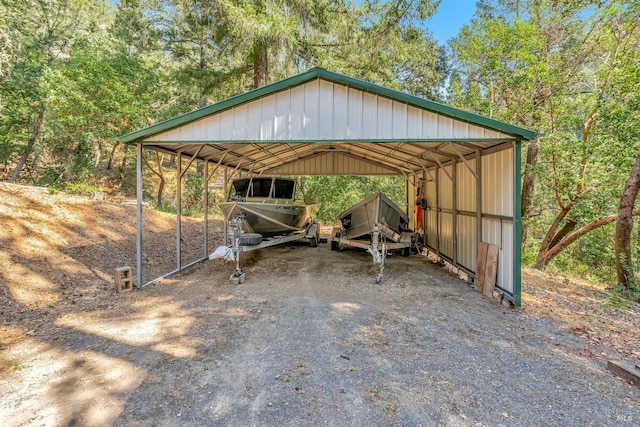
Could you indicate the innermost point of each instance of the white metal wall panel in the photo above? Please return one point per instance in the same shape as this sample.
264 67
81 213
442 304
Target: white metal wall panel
282 116
432 230
296 113
445 188
429 190
321 110
460 129
311 122
370 113
505 269
399 125
497 183
240 122
385 118
499 232
429 124
212 126
466 184
445 127
254 119
354 130
467 241
226 125
267 122
414 123
446 234
340 112
325 109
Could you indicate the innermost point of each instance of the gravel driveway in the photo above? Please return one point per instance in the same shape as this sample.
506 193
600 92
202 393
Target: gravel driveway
310 339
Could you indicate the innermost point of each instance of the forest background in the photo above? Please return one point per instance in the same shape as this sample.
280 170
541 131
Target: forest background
76 74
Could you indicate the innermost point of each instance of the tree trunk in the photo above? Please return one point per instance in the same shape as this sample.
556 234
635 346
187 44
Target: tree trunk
528 185
624 226
159 159
545 245
549 255
159 173
567 228
97 152
123 164
35 134
111 155
260 67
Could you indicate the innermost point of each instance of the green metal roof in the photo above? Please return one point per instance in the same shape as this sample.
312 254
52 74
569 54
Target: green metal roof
318 73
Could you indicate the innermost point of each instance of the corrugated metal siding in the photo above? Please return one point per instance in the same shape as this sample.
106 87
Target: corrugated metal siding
445 188
497 199
467 241
446 234
432 230
466 183
500 232
430 193
497 183
325 111
331 163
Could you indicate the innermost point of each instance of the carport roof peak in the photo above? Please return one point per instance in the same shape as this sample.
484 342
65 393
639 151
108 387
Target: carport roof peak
323 74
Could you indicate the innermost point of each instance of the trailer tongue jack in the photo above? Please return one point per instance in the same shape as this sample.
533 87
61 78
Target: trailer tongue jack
239 241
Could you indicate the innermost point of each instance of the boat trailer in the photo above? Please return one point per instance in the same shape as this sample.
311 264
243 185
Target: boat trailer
238 241
378 246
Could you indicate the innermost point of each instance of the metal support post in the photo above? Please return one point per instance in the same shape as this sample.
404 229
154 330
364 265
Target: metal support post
179 212
478 196
139 216
206 207
454 210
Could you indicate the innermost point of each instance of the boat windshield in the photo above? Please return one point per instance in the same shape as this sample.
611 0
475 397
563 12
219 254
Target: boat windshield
283 188
262 187
239 189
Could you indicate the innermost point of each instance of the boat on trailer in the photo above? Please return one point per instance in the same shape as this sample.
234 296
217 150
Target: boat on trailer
378 225
376 210
270 206
265 211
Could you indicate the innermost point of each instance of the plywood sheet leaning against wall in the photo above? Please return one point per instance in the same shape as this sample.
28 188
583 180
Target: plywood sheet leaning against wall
486 268
490 270
481 260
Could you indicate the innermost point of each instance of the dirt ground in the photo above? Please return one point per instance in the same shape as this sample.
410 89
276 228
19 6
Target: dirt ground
308 339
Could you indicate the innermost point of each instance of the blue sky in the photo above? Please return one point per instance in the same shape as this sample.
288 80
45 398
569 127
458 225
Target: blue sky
452 14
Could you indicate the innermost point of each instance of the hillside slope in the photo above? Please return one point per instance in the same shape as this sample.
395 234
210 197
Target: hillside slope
60 250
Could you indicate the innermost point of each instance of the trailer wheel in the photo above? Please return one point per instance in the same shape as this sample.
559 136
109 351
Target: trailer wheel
405 251
250 239
335 245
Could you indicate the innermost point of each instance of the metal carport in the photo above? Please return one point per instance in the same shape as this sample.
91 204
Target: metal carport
323 123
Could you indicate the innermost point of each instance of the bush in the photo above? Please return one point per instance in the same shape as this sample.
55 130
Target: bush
82 188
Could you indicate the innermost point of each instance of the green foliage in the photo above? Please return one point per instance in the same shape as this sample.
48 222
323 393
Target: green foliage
193 190
622 296
82 188
337 193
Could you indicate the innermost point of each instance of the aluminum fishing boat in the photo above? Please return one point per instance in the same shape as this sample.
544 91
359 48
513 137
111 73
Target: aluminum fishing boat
378 210
270 206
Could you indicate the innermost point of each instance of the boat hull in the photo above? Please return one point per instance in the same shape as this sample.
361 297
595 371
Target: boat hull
270 219
376 210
